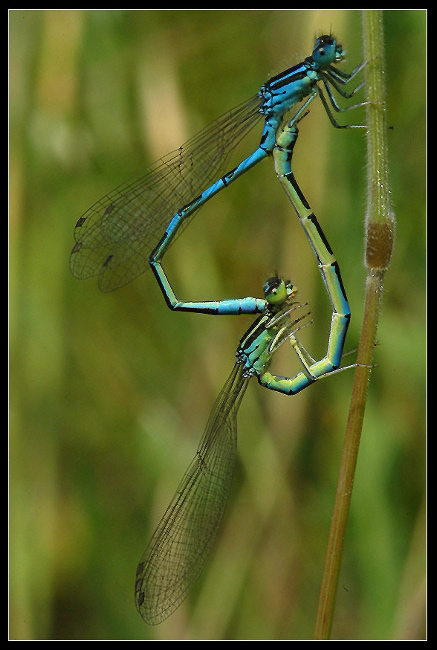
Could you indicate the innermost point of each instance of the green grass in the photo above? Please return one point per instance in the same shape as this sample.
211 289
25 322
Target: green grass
109 394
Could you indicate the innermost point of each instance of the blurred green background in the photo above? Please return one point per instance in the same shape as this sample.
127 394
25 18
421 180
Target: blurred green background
109 394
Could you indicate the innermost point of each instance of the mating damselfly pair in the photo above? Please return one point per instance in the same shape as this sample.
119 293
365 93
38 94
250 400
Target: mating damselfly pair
133 226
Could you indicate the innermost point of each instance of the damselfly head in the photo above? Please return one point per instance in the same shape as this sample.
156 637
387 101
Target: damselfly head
327 51
277 290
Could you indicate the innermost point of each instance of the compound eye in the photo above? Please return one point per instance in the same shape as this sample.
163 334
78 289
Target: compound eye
275 290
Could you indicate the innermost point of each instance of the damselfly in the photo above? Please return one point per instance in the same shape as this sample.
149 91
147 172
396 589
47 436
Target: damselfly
186 534
135 224
184 539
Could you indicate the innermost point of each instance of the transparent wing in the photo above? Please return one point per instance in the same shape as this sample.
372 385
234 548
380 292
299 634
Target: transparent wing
126 225
186 534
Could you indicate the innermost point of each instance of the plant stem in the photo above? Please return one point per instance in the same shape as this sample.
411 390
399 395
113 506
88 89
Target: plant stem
379 227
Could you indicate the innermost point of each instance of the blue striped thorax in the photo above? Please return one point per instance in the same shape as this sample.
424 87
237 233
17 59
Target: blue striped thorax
291 86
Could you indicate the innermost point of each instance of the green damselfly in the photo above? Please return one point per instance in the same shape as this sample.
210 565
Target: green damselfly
186 534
